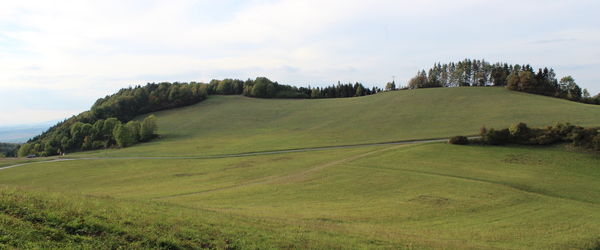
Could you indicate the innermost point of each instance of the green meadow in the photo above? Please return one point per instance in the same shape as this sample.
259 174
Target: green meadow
402 196
234 124
416 196
4 162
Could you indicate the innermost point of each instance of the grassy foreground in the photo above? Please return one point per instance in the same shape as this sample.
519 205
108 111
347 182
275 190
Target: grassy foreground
53 221
411 196
234 124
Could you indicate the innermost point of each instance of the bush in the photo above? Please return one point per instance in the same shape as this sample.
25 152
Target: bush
459 140
519 132
483 131
497 137
546 138
596 142
563 130
477 141
583 136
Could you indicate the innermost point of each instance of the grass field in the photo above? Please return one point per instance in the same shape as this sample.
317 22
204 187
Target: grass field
418 196
234 124
9 161
414 196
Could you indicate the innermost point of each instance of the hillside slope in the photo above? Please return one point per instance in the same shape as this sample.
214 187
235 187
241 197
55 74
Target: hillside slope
233 124
431 195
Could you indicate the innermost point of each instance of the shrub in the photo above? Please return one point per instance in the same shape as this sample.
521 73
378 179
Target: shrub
459 140
546 137
497 137
563 130
596 142
483 131
583 136
519 132
478 141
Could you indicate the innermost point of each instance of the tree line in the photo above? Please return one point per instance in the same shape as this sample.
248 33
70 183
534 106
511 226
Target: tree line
514 77
262 87
87 136
130 102
520 133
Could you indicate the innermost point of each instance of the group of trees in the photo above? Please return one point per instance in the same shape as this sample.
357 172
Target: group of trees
8 149
130 102
86 136
588 138
113 112
262 87
343 90
514 77
544 82
463 73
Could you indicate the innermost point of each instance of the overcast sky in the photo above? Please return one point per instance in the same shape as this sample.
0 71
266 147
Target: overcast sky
58 57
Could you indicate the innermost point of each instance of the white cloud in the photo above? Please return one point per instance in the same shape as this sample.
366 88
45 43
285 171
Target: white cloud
92 48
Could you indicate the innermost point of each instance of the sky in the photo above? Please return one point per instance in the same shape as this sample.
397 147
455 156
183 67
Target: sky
58 57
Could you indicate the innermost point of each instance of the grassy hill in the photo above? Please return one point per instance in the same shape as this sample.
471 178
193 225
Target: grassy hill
429 196
233 124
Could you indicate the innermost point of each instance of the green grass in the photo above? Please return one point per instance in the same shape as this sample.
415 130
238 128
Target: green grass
9 161
234 124
39 220
428 196
413 196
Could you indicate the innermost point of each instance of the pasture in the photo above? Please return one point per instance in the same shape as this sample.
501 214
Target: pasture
415 196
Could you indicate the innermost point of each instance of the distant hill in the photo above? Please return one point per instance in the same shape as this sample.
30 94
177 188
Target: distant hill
22 133
72 135
233 124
